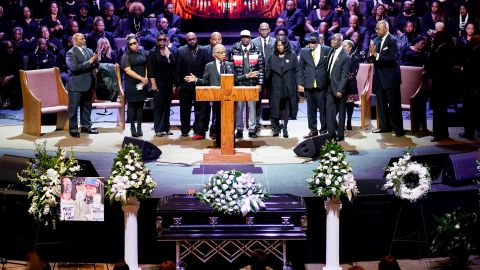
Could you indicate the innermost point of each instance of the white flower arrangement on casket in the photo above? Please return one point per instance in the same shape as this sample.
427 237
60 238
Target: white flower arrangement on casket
233 192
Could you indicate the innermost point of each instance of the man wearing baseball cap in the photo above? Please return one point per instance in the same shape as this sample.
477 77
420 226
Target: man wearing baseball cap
249 70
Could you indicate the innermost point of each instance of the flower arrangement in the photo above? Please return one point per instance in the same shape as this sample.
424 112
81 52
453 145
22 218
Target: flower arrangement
333 177
43 177
130 178
233 192
454 236
408 179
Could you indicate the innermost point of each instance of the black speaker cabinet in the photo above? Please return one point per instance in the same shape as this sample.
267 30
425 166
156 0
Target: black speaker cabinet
461 169
149 151
311 146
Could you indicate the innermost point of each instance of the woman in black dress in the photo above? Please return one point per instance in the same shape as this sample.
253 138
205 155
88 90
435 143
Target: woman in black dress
414 55
135 66
161 70
351 90
281 70
55 21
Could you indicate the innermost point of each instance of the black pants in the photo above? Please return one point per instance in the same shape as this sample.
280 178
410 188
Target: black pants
316 102
162 101
135 113
336 106
390 109
217 105
202 117
187 97
439 107
84 101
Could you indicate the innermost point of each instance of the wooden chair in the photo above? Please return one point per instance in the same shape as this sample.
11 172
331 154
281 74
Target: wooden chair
43 93
107 104
412 96
364 85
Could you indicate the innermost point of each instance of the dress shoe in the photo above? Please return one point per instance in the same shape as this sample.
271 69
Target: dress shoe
322 132
252 135
349 127
159 134
213 135
74 134
139 131
90 130
438 138
339 139
198 137
285 133
168 132
310 134
239 134
400 133
466 135
276 132
134 134
379 130
184 134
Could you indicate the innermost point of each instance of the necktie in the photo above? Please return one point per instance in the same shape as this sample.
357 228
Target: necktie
330 63
314 80
264 48
223 68
380 45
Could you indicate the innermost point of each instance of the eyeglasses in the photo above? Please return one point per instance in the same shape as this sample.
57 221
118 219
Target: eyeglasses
132 43
162 39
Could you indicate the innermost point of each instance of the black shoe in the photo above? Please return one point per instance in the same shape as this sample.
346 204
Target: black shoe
349 127
134 133
400 133
139 131
310 134
339 139
168 132
252 135
90 130
379 130
184 134
74 134
322 132
285 133
438 138
276 132
239 134
159 134
466 136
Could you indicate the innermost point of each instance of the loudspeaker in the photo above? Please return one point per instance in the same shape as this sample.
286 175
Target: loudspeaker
311 146
460 169
149 151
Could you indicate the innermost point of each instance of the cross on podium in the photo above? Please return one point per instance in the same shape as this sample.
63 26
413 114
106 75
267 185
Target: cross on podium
227 94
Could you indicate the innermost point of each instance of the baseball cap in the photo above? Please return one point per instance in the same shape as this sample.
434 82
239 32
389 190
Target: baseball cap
245 33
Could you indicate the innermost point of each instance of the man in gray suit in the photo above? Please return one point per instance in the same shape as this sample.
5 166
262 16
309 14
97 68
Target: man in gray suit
312 78
81 62
339 72
211 76
265 44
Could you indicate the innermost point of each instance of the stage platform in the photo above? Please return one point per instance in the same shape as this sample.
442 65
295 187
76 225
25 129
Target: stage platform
367 225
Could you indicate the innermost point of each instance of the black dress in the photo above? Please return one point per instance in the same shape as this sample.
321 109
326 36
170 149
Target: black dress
137 61
163 70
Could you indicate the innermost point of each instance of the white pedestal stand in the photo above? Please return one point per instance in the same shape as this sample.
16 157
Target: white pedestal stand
130 212
333 207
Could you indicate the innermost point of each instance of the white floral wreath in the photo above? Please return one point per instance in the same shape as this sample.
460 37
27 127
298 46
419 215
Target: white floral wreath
396 179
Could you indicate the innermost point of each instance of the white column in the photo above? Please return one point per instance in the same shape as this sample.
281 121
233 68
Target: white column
333 207
130 212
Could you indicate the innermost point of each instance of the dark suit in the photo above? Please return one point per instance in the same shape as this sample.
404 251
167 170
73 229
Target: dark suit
212 77
79 86
307 73
294 21
339 75
189 61
386 84
267 51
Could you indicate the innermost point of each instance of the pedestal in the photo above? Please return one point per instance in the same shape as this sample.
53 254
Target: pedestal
130 212
215 156
333 207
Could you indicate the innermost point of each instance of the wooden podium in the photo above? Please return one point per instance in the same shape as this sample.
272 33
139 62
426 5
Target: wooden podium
227 94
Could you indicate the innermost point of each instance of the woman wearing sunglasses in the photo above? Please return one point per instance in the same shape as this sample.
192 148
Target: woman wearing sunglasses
135 66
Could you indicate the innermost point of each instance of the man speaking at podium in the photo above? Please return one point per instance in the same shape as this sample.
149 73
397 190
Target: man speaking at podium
211 76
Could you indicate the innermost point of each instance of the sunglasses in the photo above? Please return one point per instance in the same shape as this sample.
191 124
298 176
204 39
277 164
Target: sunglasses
133 43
